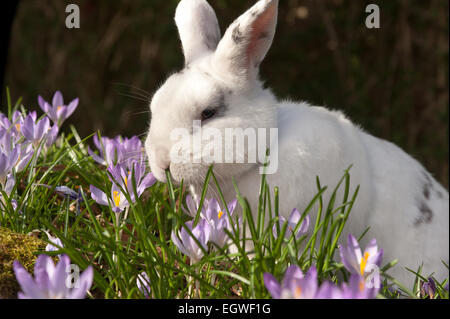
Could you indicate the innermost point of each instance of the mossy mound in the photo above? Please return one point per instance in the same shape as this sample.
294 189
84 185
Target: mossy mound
14 246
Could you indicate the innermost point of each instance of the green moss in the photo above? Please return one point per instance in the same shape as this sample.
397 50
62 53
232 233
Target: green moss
14 246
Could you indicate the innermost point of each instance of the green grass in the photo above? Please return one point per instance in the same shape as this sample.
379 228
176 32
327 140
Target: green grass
121 248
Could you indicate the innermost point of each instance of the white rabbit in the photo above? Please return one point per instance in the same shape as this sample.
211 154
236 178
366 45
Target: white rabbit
406 209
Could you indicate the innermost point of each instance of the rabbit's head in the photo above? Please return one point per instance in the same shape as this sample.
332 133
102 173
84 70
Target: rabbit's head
218 86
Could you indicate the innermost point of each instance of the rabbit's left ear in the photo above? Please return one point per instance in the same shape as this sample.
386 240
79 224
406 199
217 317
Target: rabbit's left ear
198 28
247 40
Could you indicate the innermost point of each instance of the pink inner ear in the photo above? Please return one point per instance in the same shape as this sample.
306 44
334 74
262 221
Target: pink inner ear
259 26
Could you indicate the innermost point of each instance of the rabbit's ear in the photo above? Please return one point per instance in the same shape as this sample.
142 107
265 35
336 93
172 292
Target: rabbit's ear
198 28
247 40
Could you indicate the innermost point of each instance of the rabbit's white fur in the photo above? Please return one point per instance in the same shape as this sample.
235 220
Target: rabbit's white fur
406 209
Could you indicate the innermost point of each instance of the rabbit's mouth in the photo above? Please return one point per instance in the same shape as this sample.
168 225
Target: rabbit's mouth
189 173
195 174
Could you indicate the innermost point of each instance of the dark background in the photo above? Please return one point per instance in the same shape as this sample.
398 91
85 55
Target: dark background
393 80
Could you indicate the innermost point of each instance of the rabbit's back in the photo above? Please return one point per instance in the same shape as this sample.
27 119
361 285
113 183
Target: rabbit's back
405 208
410 209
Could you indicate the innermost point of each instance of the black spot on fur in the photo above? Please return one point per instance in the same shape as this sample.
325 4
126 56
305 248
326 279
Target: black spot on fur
426 214
237 35
426 191
427 186
427 177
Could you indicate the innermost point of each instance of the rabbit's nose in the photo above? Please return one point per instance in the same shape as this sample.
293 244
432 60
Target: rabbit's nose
162 159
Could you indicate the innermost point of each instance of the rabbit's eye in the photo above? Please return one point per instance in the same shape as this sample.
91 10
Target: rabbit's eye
207 114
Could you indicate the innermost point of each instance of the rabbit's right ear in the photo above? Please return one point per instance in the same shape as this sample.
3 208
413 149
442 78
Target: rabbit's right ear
198 28
247 40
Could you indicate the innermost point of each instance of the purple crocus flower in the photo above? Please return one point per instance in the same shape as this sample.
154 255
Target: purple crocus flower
118 150
187 244
218 220
52 282
26 152
428 288
4 121
8 186
6 139
293 220
109 153
35 132
14 205
192 206
52 135
292 274
123 177
356 262
58 112
303 288
143 284
296 285
14 126
55 245
65 191
357 288
131 150
7 161
117 199
8 145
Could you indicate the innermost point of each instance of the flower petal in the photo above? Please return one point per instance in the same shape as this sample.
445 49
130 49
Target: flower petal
354 252
29 287
304 226
42 127
58 282
295 216
99 196
272 285
42 103
41 275
293 273
348 260
374 254
95 157
71 107
232 206
191 205
147 182
178 243
57 99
